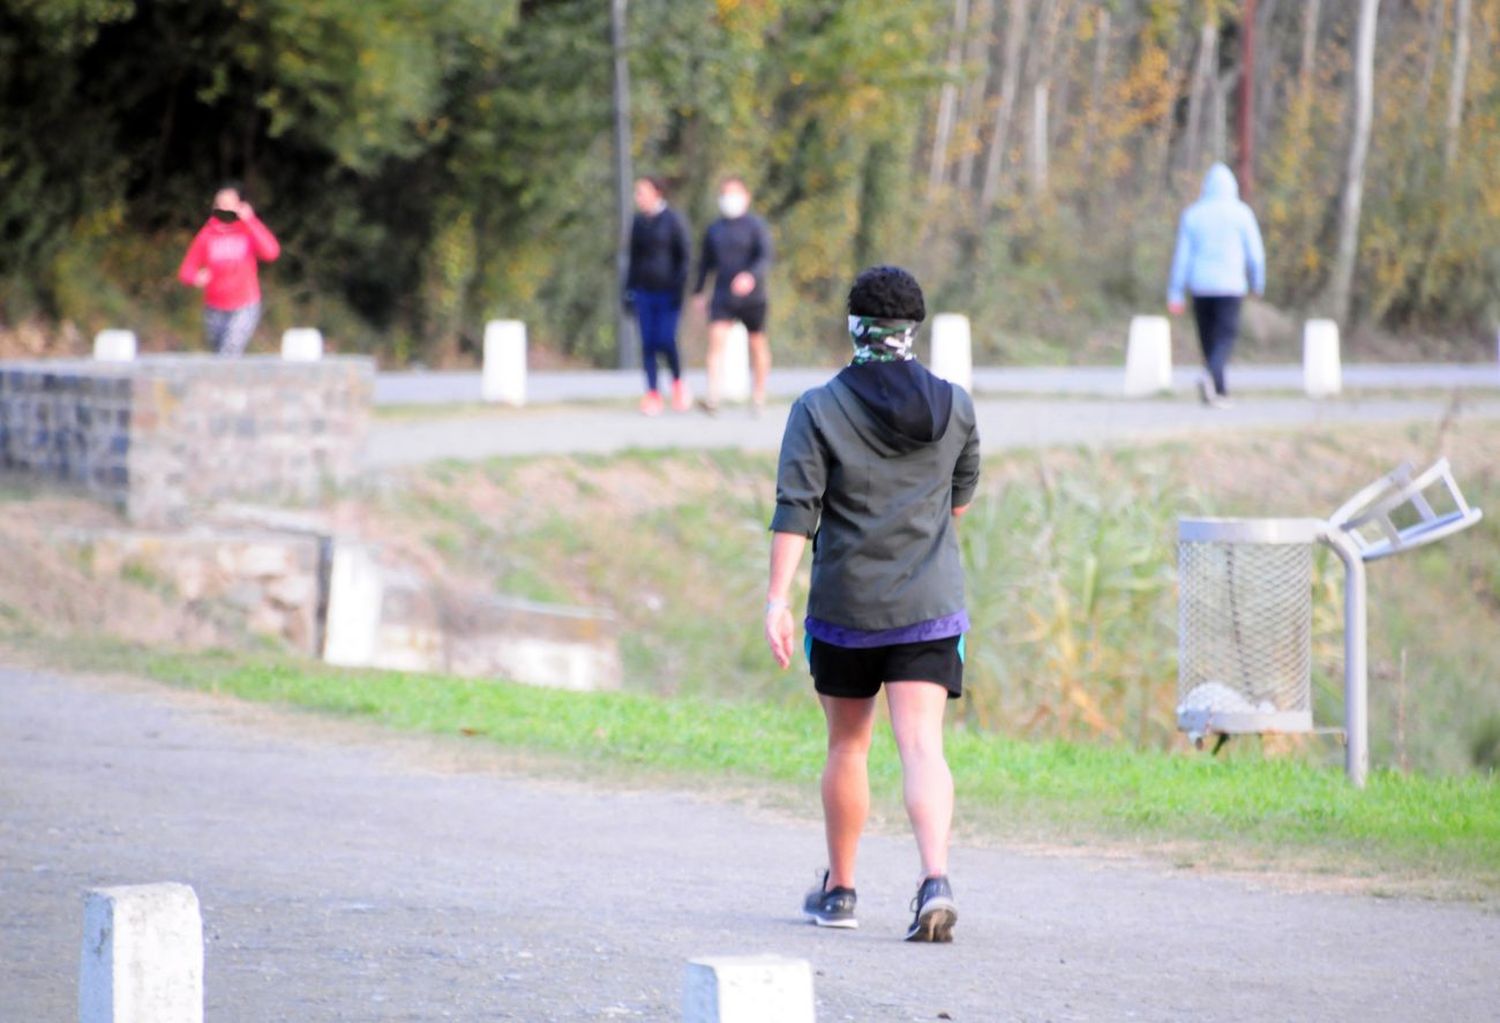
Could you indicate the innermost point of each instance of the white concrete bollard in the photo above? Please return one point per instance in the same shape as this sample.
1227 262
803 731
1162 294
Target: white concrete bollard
504 378
952 350
114 346
355 595
302 344
734 365
1148 356
1322 372
142 956
748 989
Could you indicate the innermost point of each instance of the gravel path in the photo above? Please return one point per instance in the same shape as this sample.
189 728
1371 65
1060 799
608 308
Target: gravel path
1003 424
349 874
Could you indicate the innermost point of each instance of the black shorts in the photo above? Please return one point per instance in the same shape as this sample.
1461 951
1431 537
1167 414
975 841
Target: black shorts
751 314
858 673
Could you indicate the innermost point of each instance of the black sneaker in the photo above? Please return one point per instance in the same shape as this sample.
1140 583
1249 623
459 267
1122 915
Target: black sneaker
936 912
830 907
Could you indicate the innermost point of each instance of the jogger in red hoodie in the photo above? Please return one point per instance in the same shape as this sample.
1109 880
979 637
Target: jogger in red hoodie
223 260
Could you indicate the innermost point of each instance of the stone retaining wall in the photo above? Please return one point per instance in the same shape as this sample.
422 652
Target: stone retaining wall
163 437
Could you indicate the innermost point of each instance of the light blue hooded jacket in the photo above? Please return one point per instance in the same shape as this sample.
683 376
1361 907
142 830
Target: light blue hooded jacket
1219 251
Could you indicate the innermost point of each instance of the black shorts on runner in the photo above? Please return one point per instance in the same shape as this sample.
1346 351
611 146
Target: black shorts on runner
858 674
752 315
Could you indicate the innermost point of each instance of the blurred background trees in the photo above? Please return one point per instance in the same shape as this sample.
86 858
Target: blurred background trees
429 164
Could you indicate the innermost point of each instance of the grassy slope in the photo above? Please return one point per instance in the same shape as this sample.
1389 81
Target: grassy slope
1067 734
1442 833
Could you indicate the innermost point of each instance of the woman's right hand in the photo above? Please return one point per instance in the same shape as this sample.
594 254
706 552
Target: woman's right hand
780 634
202 277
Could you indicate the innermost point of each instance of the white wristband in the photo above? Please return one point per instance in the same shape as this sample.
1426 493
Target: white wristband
772 605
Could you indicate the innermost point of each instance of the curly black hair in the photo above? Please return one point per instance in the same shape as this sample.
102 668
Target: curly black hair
888 292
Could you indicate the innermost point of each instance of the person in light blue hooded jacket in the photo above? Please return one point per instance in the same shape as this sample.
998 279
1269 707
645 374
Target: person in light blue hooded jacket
1219 258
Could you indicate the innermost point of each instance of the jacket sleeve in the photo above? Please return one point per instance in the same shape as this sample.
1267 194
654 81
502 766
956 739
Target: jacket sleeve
966 470
192 262
1181 258
682 252
1255 254
632 256
801 476
764 251
706 264
267 248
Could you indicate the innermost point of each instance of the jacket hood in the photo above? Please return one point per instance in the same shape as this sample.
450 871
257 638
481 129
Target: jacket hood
908 407
1219 183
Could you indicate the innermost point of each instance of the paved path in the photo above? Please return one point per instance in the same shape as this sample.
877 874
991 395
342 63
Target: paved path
346 874
429 388
1004 423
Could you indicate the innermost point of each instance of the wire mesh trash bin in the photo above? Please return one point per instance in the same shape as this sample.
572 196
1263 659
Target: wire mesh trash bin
1245 606
1245 625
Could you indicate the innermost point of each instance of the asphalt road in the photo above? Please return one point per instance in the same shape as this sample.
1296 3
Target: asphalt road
1004 423
349 874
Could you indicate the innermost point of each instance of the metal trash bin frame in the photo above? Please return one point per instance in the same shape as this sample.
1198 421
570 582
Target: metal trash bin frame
1284 547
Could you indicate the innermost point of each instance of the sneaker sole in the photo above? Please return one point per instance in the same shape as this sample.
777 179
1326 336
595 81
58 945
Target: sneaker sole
935 924
847 925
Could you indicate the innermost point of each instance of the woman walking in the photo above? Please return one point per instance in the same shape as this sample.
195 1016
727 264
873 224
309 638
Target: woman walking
876 466
654 283
224 261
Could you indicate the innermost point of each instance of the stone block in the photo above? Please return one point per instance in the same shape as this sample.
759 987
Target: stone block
504 375
142 955
952 350
748 989
1322 370
302 344
1148 356
734 365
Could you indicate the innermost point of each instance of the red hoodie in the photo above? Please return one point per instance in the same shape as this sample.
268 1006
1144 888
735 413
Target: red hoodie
231 252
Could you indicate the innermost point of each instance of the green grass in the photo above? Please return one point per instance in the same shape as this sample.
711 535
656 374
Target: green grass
1241 811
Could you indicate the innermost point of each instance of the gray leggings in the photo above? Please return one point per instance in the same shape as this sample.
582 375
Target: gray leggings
229 330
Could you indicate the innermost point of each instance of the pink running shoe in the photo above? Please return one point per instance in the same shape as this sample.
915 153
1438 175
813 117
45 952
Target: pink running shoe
651 404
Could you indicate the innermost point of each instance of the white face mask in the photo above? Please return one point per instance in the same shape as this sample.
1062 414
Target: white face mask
734 204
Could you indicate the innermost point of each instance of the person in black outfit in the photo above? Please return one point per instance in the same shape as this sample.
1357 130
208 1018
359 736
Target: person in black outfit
654 283
737 251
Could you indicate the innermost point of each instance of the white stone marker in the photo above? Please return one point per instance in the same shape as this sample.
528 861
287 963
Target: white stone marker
504 378
1148 356
1322 372
734 365
355 595
748 989
302 344
142 955
114 346
952 350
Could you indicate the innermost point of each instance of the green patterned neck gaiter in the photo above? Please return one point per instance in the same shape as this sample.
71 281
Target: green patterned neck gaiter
881 340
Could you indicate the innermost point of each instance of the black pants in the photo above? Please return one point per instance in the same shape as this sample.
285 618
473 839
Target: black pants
1218 318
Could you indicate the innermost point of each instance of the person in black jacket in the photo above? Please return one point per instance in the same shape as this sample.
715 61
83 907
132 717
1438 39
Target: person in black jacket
654 283
737 251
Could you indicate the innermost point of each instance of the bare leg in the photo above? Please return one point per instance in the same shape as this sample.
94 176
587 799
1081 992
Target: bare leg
718 330
846 782
927 784
760 358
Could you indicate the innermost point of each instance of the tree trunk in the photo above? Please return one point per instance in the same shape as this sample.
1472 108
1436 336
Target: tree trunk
1456 84
1310 12
1430 61
971 109
943 133
1354 176
1050 20
1204 72
1010 80
1096 87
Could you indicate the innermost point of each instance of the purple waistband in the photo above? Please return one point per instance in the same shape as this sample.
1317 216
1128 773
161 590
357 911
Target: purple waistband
955 624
